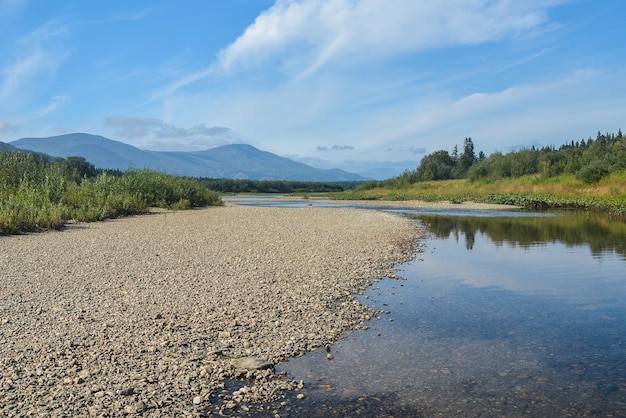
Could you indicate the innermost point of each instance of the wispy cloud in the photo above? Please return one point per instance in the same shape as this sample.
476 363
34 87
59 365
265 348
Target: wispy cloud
6 126
54 104
140 127
34 57
304 36
417 150
131 16
299 38
335 148
154 134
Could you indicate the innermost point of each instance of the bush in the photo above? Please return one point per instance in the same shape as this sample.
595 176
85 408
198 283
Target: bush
36 193
593 172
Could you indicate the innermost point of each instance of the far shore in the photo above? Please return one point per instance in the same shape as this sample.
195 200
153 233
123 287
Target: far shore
387 203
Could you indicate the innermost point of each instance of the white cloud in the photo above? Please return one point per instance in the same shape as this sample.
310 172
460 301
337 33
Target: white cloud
54 104
33 58
303 36
6 126
154 134
551 112
335 148
138 127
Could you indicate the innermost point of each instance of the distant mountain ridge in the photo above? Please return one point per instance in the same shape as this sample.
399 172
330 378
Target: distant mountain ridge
6 147
237 161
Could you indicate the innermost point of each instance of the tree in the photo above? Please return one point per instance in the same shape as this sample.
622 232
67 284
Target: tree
436 166
468 158
79 167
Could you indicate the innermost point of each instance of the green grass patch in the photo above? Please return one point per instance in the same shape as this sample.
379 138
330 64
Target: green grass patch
38 194
533 192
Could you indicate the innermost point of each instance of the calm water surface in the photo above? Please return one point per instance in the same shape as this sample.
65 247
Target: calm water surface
508 314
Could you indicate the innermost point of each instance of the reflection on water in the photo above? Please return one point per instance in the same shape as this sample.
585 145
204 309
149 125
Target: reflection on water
591 230
499 316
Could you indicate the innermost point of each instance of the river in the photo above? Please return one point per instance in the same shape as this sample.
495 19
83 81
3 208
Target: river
502 314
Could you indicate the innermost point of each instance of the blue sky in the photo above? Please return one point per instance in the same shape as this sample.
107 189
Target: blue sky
353 84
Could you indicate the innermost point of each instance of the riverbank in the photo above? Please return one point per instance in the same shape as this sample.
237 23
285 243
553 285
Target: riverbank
533 192
152 314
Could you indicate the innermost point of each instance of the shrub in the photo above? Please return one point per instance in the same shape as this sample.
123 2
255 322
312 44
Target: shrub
593 172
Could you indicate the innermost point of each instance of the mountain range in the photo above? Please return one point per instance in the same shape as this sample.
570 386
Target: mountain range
236 161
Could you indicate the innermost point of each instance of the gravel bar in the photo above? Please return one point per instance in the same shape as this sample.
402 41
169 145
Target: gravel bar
154 315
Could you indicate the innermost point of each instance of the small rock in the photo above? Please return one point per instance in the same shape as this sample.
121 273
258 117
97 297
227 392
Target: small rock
330 356
127 391
140 407
300 396
251 363
197 400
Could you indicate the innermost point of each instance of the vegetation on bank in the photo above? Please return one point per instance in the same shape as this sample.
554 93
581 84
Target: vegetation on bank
587 174
37 193
274 186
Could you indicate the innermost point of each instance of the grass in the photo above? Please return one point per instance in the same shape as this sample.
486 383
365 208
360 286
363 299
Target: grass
536 192
36 194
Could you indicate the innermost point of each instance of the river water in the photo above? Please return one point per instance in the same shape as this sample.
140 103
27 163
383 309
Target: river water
502 314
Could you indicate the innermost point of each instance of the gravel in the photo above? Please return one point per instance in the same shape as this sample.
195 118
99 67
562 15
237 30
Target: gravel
155 315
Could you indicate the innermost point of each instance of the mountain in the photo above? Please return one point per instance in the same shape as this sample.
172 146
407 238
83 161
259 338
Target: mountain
237 161
6 147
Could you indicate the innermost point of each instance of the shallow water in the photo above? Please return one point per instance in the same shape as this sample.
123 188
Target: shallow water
499 316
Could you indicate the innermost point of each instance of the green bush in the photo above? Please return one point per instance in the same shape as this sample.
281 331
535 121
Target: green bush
593 172
37 193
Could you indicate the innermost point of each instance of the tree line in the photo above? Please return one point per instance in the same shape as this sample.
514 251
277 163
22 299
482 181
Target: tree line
589 160
273 186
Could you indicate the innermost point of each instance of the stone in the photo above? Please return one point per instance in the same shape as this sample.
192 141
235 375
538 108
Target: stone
252 363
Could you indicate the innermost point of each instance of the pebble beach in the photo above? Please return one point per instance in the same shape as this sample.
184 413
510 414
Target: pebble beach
154 315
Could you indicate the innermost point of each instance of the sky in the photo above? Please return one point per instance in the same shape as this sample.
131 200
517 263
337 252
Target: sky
350 84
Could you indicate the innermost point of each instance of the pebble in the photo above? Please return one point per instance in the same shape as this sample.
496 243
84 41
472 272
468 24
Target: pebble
252 363
90 309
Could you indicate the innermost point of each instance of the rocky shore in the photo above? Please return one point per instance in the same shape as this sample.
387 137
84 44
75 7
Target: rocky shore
155 315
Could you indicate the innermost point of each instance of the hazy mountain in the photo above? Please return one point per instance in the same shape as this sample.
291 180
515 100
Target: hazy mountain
228 161
6 147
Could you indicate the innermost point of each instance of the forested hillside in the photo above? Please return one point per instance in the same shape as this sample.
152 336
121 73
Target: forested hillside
589 160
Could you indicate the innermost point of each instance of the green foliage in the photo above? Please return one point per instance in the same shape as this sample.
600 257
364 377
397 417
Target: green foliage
37 193
589 160
163 190
439 165
273 186
593 172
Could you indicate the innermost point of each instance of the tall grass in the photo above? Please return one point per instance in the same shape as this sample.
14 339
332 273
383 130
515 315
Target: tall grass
535 191
38 194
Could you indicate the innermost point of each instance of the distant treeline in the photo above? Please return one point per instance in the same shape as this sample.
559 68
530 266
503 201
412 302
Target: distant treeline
274 186
589 160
